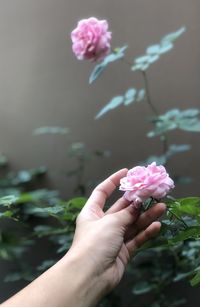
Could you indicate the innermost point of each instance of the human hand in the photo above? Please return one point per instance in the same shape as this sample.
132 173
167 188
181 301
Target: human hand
102 246
106 240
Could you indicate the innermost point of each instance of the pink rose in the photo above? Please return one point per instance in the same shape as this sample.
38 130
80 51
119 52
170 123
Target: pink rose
91 39
144 182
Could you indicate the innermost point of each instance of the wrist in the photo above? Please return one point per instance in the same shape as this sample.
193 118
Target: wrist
88 287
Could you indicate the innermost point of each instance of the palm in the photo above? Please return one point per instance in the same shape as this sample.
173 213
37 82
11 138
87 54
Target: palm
117 232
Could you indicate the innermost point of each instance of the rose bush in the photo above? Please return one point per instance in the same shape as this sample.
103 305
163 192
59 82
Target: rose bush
174 255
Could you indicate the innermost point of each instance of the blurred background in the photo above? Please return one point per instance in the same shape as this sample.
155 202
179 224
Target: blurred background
43 84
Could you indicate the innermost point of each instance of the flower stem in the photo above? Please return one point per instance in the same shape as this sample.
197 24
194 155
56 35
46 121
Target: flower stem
149 101
155 111
178 218
164 138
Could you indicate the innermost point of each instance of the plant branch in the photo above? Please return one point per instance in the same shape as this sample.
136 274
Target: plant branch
155 111
148 96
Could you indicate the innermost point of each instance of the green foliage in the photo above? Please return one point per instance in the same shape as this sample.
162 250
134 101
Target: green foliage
190 233
14 180
154 52
51 130
117 54
186 120
3 160
83 156
196 279
131 95
174 254
172 150
12 246
189 206
8 200
143 288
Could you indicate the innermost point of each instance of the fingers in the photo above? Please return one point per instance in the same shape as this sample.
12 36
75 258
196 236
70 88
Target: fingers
127 216
120 204
151 215
145 220
105 189
143 237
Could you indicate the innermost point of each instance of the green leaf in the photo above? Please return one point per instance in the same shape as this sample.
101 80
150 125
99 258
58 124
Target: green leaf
130 96
160 160
46 211
181 276
161 128
8 200
140 95
153 52
153 59
116 55
190 113
44 230
3 160
51 130
192 125
173 149
165 47
177 302
114 103
182 180
176 149
77 149
77 202
11 246
37 196
196 279
191 201
143 287
46 264
176 119
171 37
154 49
97 72
16 276
12 277
6 214
190 233
24 176
142 59
193 210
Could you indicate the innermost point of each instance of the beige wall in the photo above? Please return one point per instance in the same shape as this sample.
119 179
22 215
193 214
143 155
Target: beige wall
41 82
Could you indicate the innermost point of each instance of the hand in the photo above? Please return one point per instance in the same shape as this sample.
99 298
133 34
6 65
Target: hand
102 245
107 240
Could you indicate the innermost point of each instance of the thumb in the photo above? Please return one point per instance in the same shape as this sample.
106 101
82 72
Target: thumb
128 215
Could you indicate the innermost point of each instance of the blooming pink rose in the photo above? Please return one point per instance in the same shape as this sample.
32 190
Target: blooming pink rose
144 182
91 39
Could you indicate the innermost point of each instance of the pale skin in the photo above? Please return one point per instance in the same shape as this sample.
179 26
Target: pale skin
103 244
